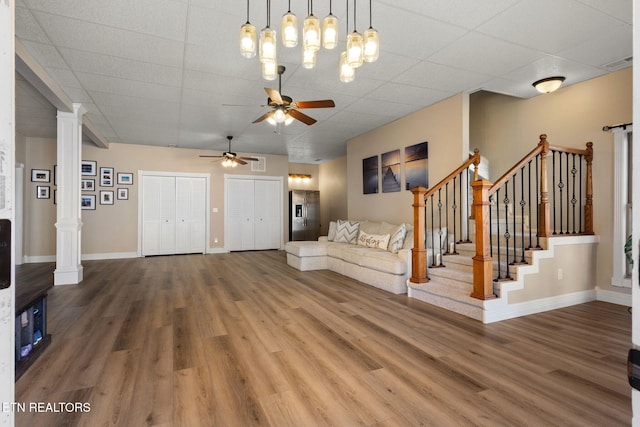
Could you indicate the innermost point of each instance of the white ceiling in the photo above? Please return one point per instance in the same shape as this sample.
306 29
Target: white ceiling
158 72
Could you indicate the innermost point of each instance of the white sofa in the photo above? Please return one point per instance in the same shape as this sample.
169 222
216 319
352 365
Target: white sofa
367 259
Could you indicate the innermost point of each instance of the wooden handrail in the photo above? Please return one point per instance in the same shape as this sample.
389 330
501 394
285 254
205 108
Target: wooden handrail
568 150
474 159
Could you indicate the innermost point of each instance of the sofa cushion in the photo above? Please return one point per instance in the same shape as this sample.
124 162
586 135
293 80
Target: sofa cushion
396 241
408 239
380 241
347 231
384 261
371 227
331 236
306 249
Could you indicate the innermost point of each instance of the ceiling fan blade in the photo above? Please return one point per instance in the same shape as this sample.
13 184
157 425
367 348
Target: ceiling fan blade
238 160
263 117
274 95
302 117
202 155
251 159
325 103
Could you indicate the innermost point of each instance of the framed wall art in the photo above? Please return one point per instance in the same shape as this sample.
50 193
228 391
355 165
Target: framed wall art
43 192
88 201
370 175
106 177
123 194
106 197
88 184
391 172
416 167
89 167
125 178
40 175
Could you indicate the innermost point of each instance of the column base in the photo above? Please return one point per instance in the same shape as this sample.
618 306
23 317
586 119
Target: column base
68 276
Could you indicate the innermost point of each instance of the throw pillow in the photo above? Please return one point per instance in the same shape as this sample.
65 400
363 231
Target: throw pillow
347 231
332 231
380 241
396 239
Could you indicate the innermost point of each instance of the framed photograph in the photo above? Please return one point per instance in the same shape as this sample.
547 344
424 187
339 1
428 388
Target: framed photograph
55 197
40 175
123 194
89 167
42 192
391 172
106 197
88 201
416 168
88 184
106 177
125 178
370 175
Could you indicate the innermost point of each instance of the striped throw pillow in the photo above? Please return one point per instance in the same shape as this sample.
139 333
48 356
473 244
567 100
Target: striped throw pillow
347 231
396 241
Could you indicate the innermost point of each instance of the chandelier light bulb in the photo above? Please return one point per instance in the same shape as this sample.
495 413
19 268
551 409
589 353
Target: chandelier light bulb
347 73
311 33
309 58
279 115
288 120
268 45
330 32
355 49
371 45
248 40
271 120
269 70
289 28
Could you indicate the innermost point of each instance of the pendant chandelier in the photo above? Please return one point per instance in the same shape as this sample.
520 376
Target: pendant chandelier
360 48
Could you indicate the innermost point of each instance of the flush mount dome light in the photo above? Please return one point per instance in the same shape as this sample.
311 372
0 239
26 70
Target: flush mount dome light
548 85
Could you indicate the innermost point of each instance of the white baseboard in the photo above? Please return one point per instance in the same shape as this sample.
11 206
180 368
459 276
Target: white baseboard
109 255
36 259
614 297
496 310
216 251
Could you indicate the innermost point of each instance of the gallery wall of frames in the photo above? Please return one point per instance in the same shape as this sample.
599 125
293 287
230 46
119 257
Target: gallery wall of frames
99 185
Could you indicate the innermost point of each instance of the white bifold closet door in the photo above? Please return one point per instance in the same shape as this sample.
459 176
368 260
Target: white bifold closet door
254 214
174 214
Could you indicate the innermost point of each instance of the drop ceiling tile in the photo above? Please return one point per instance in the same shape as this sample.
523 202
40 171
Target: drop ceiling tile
213 27
614 44
622 10
47 54
388 66
136 89
111 41
406 94
483 54
222 60
209 82
530 24
94 63
441 77
64 77
27 28
387 109
160 18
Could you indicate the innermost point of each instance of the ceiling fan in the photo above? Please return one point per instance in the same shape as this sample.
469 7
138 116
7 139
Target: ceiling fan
231 159
285 110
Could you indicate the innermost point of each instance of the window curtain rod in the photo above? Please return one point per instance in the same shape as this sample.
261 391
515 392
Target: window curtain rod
622 125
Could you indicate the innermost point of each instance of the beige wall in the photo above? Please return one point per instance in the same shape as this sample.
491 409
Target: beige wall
114 228
333 192
506 128
306 169
442 125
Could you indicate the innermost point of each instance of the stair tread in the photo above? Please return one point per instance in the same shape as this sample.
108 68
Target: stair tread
442 290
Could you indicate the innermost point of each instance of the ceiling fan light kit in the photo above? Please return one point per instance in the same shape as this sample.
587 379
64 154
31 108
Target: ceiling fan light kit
360 48
231 159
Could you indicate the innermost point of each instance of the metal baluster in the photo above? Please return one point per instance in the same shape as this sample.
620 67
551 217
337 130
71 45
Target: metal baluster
440 224
498 233
515 229
573 196
566 157
581 230
553 169
446 218
461 205
454 207
490 226
529 185
537 203
507 235
468 208
433 246
522 205
560 186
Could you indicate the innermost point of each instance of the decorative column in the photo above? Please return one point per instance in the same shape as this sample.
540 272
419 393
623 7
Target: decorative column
418 252
482 261
69 222
544 222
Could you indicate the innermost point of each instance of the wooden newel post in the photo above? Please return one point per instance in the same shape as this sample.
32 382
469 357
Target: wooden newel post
588 206
544 226
419 252
482 261
476 165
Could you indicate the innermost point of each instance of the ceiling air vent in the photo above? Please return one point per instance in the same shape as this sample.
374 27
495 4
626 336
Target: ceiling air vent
619 64
260 165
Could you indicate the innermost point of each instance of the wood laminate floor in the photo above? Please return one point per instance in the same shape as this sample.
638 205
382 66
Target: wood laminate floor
242 339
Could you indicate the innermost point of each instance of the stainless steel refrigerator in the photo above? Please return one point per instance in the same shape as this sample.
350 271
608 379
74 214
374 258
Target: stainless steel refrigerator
304 215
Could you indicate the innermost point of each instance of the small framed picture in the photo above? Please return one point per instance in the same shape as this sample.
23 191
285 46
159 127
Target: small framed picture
88 184
123 194
40 175
106 197
88 201
55 197
106 177
42 192
89 167
125 178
